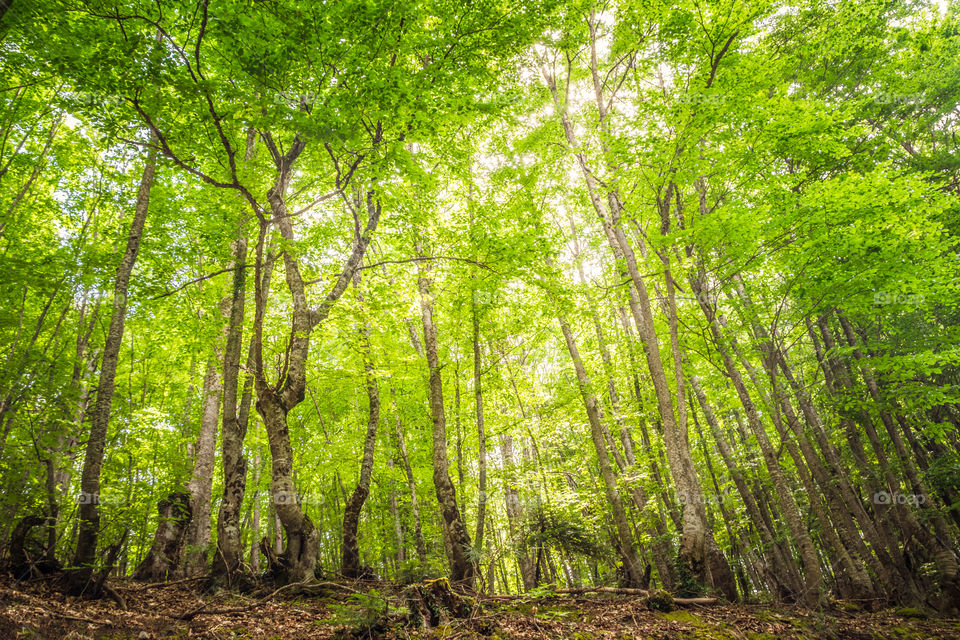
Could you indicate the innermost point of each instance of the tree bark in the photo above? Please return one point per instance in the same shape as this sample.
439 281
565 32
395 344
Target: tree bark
164 558
632 564
350 566
229 553
200 486
481 435
458 547
89 512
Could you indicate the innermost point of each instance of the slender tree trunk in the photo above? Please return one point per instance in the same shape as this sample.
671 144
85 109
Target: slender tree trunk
89 530
515 516
813 576
255 519
632 564
200 486
397 523
662 554
459 548
784 577
229 552
481 435
350 566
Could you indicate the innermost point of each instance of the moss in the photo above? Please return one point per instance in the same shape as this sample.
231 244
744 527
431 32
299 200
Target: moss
683 616
902 632
660 600
442 631
911 612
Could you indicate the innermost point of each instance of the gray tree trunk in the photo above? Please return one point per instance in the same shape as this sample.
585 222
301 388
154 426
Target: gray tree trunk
89 511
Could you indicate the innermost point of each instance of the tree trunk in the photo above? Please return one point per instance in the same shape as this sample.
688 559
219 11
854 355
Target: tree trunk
784 579
89 511
813 578
515 516
459 548
941 543
275 401
632 564
397 523
163 560
411 483
255 519
350 566
200 486
698 549
229 552
481 435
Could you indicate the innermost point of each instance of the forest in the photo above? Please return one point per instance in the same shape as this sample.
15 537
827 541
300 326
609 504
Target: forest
442 304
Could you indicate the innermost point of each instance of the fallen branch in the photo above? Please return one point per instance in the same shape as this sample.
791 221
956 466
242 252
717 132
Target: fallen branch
161 585
116 597
618 590
615 590
66 616
190 615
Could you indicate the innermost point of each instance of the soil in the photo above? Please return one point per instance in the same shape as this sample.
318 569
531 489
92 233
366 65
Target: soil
353 610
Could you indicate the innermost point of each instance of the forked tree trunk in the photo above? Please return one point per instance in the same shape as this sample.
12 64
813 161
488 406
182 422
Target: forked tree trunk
274 401
89 512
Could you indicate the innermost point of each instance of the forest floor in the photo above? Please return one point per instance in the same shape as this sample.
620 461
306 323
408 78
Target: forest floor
33 610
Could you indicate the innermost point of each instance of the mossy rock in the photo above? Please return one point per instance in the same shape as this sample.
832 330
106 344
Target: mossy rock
911 612
660 600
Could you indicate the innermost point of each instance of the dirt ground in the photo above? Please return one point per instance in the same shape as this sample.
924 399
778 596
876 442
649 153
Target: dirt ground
34 610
